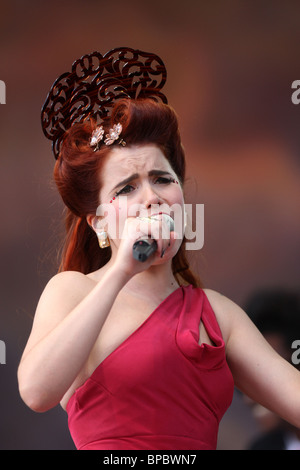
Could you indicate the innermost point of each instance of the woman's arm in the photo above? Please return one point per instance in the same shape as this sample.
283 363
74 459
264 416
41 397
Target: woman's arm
258 371
68 320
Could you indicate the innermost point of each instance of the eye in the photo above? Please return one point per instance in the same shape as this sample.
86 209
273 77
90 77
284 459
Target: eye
126 190
164 180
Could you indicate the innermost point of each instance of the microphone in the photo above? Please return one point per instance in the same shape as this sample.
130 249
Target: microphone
145 247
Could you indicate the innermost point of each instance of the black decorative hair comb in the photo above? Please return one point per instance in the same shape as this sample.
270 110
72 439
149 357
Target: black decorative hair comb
95 83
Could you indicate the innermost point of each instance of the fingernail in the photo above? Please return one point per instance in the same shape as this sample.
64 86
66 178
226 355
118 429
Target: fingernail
163 252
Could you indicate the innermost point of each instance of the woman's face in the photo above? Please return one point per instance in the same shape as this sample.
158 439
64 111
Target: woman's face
139 181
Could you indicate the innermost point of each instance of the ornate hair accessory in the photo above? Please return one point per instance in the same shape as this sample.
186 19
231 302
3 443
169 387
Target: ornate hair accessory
94 84
113 136
97 136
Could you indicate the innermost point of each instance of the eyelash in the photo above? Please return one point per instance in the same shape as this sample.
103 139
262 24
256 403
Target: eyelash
162 178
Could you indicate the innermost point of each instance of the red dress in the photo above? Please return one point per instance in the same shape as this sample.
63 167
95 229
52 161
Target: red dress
159 389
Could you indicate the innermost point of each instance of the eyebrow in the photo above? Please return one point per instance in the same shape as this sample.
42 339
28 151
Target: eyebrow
136 175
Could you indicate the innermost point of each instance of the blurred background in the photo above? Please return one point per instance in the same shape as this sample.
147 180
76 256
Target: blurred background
230 67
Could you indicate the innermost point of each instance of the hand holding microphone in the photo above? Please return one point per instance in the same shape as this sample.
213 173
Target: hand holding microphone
144 247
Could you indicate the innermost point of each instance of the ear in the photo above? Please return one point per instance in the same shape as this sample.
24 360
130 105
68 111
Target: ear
94 222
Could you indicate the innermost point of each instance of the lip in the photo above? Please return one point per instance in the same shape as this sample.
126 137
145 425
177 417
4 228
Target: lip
158 215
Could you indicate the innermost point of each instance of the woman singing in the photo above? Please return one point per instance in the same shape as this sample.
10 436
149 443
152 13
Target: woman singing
137 352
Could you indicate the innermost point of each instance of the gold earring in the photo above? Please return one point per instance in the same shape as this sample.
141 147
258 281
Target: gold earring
103 239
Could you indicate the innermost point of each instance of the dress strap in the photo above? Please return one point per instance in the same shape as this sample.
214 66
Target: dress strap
196 308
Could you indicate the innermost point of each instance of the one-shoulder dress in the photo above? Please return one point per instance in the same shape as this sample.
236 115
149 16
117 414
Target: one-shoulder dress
159 389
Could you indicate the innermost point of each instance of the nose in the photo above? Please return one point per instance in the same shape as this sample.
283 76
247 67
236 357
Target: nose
150 197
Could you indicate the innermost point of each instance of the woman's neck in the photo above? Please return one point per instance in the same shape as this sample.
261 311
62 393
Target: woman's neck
156 282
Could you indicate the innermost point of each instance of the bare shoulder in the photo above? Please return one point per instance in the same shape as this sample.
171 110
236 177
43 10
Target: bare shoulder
227 312
62 293
68 277
220 301
69 281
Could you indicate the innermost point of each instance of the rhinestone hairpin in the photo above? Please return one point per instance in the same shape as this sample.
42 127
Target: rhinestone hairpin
113 136
97 136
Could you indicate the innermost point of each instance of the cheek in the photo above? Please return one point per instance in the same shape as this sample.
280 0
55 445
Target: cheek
177 200
119 210
179 214
109 217
176 193
180 197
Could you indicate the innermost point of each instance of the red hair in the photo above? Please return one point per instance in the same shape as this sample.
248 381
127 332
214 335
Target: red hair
77 171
